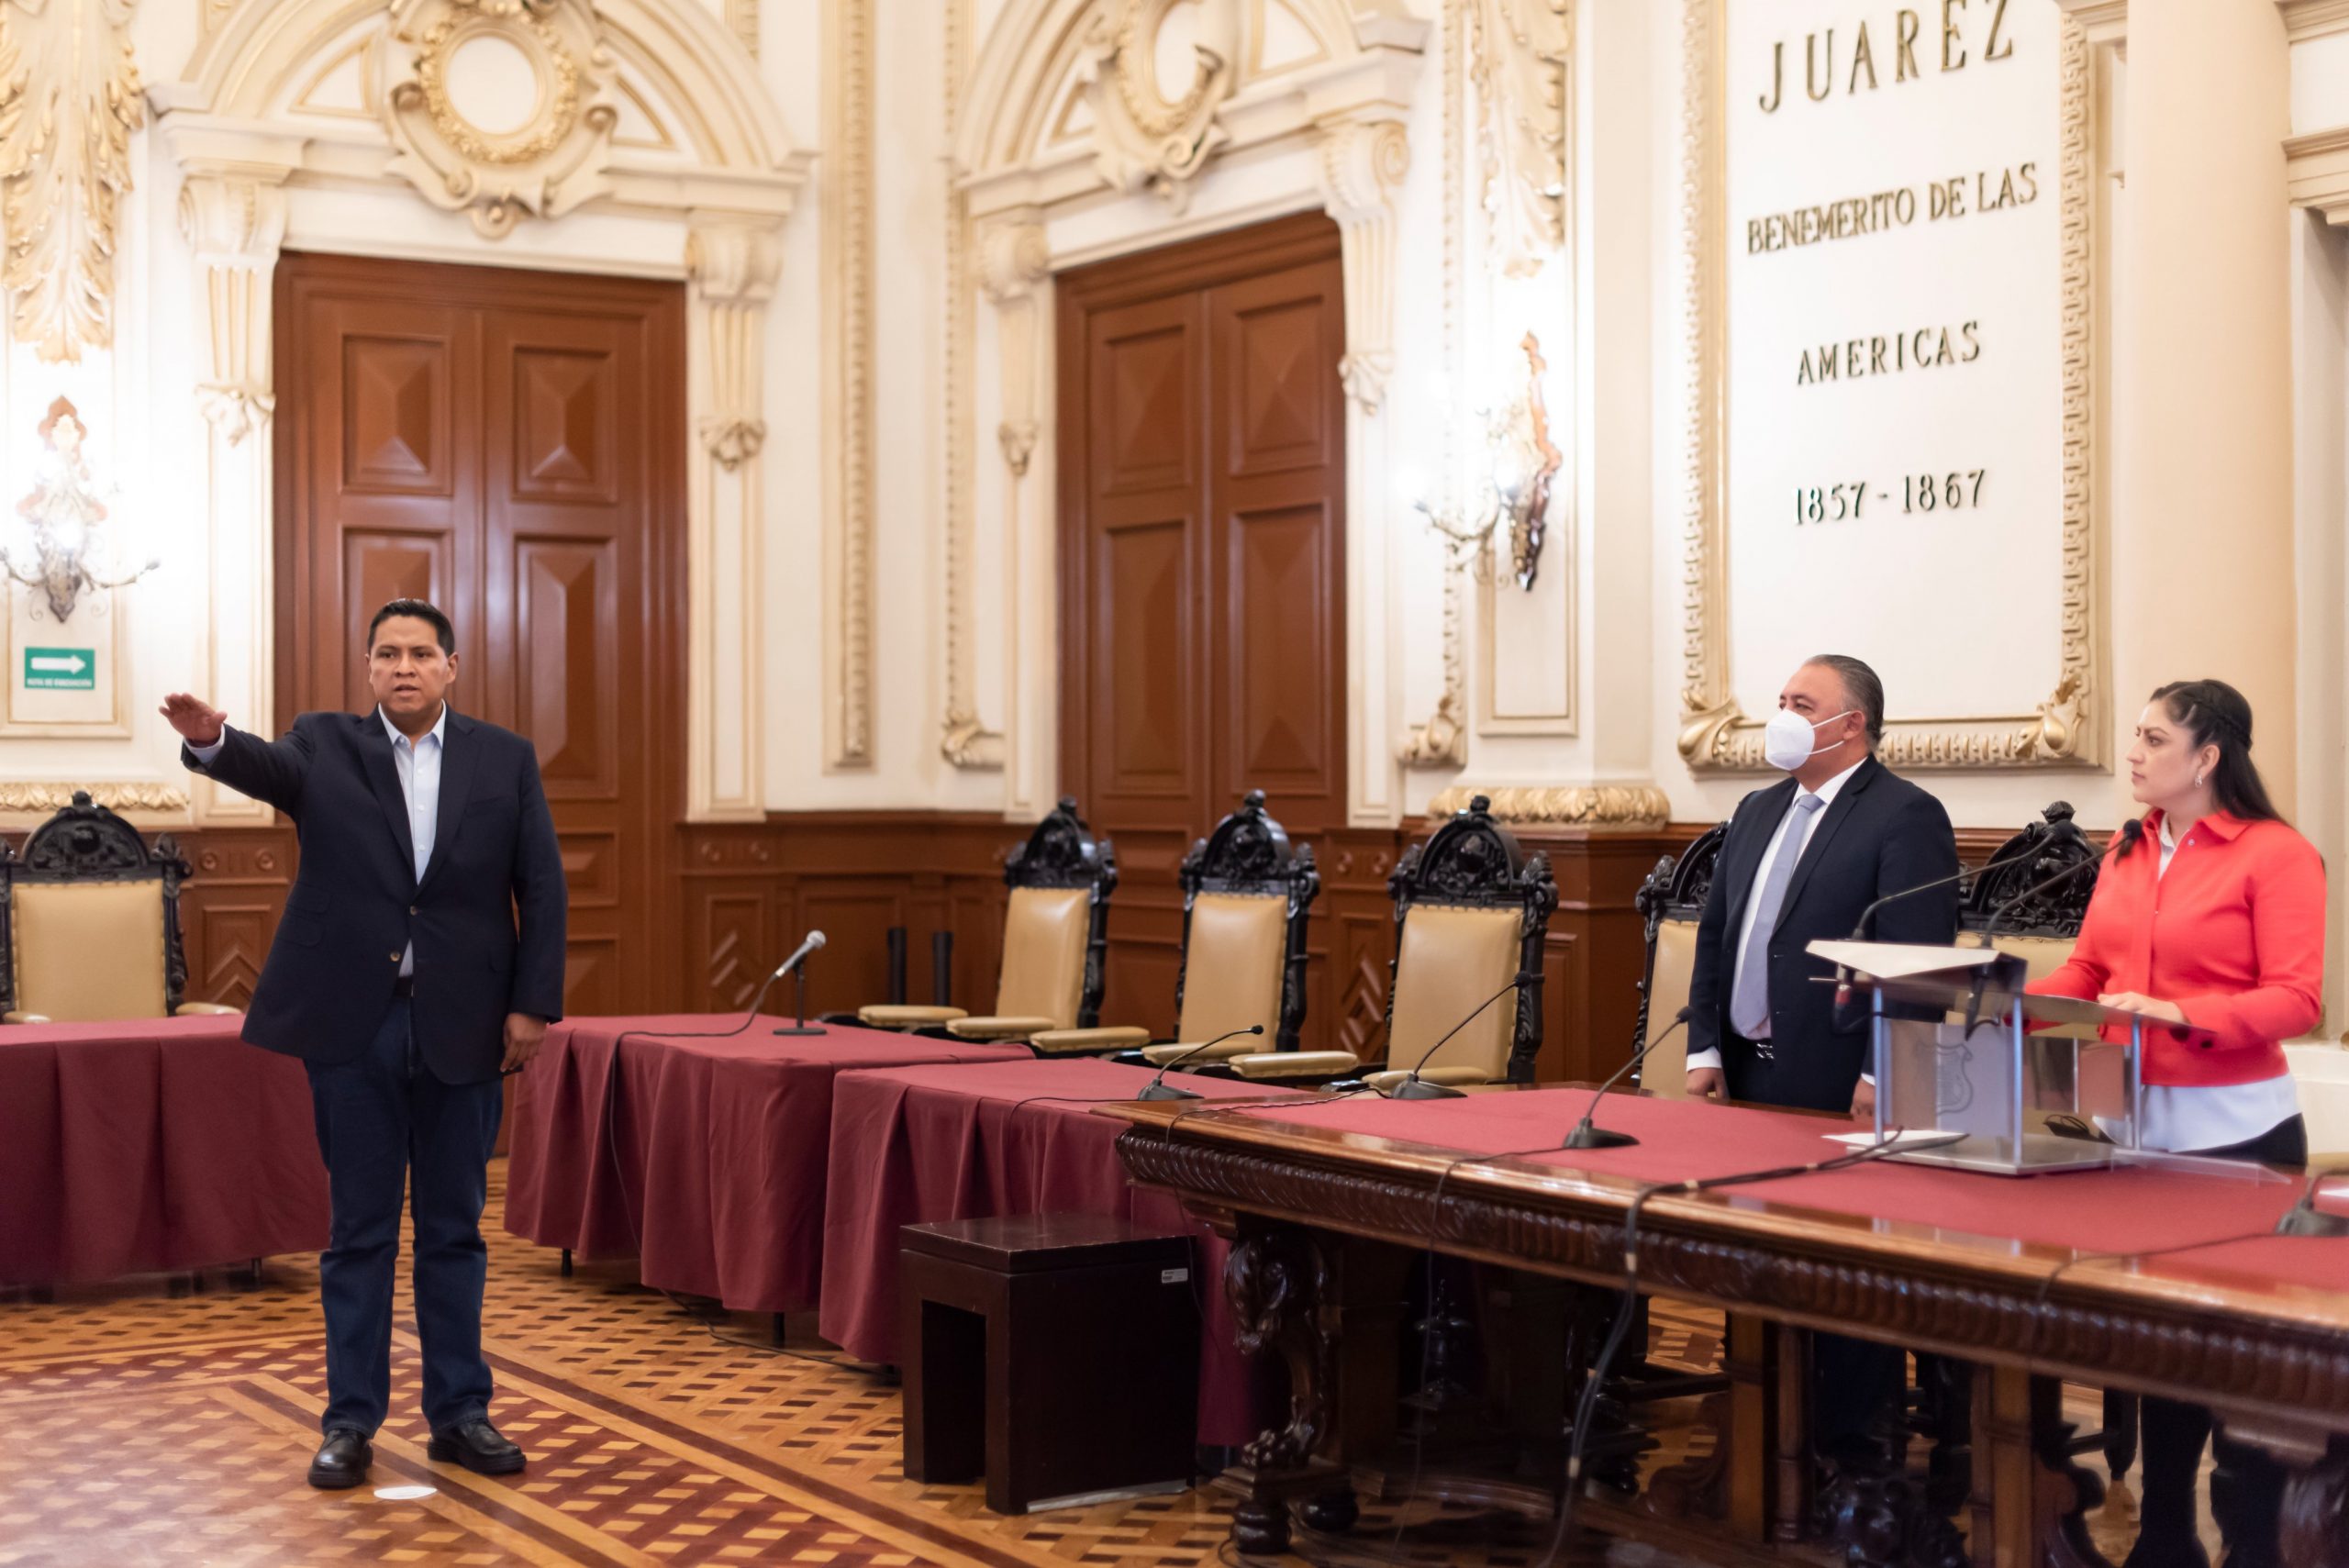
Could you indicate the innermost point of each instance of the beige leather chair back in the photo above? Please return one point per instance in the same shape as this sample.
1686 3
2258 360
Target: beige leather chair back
89 951
1043 954
1666 1072
1232 969
2042 956
1453 959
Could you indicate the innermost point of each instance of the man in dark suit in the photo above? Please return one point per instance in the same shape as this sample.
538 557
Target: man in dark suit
1803 861
399 978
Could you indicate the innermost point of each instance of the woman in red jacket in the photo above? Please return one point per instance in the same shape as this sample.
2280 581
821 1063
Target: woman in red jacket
2213 917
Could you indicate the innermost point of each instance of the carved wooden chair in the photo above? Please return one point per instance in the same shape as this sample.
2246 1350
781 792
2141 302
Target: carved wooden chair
90 923
2041 928
1672 900
1471 910
1055 931
1246 895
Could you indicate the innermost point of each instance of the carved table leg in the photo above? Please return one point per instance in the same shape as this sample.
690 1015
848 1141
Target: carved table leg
2031 1501
2316 1511
1790 1474
1279 1281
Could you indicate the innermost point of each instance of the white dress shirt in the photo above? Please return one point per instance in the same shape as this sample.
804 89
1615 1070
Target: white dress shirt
2183 1119
418 765
1791 837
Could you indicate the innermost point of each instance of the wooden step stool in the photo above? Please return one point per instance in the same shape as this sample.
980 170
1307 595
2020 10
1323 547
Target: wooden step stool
1058 1354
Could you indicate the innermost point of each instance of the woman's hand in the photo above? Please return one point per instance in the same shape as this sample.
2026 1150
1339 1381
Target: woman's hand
2138 1002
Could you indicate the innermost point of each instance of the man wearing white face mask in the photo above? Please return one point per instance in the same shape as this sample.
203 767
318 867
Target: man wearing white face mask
1804 859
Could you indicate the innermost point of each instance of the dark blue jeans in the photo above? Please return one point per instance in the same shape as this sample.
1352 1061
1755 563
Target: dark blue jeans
385 1122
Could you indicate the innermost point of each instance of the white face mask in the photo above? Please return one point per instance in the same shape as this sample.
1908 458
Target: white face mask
1789 740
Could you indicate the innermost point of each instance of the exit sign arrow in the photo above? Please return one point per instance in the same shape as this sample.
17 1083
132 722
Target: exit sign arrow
72 664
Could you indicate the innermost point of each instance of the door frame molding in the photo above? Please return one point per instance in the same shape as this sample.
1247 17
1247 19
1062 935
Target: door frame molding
259 171
1329 136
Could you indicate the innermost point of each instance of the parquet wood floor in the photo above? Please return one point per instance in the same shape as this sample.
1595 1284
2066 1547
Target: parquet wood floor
139 1426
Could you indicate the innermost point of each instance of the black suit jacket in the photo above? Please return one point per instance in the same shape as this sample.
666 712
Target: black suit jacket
1881 834
357 902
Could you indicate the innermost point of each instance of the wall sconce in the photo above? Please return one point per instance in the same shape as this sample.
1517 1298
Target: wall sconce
1513 506
57 545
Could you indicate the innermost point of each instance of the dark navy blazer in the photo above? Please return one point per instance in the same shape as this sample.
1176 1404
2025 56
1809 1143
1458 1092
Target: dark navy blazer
1881 834
357 902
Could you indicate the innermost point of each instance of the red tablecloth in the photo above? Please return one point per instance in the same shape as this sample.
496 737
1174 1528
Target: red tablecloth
147 1145
920 1145
2126 1210
715 1145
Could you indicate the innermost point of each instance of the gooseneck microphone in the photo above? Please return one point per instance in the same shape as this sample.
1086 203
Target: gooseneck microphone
1585 1135
796 964
1413 1087
1158 1088
1860 927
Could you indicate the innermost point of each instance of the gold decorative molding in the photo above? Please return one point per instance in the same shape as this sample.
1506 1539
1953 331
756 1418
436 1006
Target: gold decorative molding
129 796
68 100
1567 805
1520 54
965 739
1143 140
2316 172
1441 740
732 268
2305 20
549 164
742 17
848 329
1716 734
235 223
1361 163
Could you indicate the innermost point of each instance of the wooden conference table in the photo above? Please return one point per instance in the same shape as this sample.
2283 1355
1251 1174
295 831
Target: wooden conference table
1325 1205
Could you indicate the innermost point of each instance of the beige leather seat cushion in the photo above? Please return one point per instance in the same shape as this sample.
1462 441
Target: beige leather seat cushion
89 951
1231 972
1666 1072
1043 955
1453 959
907 1015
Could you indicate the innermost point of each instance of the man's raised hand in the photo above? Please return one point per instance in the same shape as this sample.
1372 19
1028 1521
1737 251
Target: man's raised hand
197 721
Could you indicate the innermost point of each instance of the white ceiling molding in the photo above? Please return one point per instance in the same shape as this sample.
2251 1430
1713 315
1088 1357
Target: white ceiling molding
69 101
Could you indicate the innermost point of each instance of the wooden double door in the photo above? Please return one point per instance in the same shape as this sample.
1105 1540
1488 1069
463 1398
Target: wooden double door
1202 546
507 445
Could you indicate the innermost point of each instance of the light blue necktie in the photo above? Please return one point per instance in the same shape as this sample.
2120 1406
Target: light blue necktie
1749 999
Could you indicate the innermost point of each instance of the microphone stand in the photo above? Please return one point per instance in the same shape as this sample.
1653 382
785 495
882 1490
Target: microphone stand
1158 1088
1413 1087
797 965
1585 1135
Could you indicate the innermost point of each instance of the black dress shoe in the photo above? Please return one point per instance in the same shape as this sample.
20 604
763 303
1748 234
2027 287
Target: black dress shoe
476 1445
342 1461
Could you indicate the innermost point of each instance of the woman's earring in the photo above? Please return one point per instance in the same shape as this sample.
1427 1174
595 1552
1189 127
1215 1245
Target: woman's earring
2198 780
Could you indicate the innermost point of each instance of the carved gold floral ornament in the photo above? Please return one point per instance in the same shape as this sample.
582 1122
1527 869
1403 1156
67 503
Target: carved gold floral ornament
69 101
545 166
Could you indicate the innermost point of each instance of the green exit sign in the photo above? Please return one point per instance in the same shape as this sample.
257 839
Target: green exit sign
60 669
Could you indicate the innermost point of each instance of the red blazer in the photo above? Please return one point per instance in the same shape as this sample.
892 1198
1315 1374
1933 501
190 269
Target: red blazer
2235 935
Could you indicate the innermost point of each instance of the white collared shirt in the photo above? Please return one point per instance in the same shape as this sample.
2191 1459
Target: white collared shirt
418 764
1792 836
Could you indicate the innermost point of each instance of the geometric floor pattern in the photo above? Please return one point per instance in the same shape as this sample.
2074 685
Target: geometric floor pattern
139 1426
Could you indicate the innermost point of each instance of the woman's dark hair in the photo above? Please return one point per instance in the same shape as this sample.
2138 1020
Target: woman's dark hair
2213 713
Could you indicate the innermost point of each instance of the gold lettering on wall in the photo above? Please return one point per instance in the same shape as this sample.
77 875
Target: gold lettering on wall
1820 62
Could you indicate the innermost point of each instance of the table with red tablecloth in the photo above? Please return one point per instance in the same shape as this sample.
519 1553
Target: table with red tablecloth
150 1145
2148 1207
923 1145
702 1157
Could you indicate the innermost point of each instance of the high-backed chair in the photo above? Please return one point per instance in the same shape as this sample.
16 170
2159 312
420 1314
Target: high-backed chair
1246 895
90 923
2041 928
1055 931
1672 900
1471 910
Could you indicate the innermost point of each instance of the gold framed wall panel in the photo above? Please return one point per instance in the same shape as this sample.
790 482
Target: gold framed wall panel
2072 727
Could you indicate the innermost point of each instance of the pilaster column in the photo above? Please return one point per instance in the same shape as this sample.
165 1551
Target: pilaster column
731 265
1361 163
233 218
